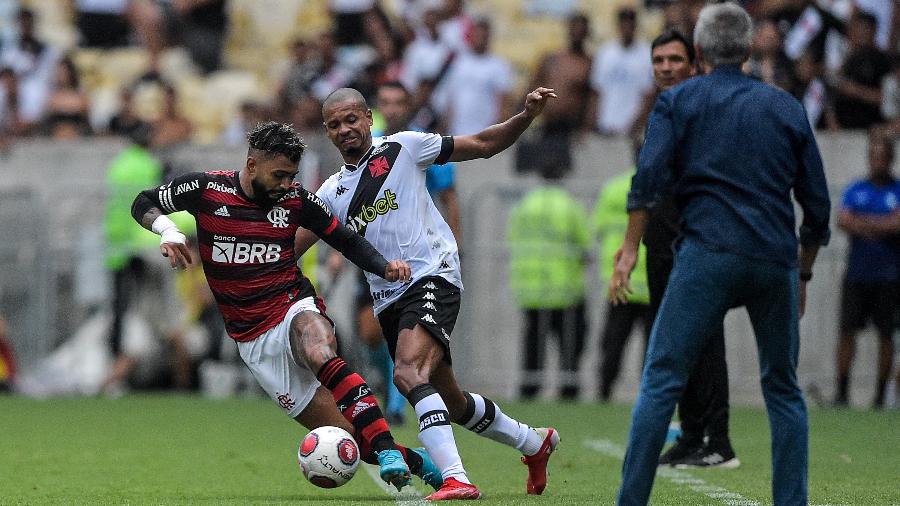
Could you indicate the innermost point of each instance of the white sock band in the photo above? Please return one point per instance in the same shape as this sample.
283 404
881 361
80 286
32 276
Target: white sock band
485 418
435 431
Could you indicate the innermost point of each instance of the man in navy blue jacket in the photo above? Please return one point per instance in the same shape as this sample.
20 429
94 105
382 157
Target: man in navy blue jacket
731 149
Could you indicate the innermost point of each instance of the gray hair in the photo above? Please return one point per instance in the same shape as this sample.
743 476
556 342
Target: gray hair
724 33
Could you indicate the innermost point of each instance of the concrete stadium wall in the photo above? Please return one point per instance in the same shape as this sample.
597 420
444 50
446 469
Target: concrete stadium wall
58 274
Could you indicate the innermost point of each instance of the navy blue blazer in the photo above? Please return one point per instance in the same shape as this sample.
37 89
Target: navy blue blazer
732 149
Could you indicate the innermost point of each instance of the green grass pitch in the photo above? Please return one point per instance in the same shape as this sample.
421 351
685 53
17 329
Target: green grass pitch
189 450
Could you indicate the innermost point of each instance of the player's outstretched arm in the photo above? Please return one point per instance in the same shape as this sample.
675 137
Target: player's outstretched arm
496 138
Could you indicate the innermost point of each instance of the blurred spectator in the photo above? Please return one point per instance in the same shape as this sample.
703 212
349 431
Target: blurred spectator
171 127
426 61
811 88
621 75
548 239
102 23
133 170
68 106
250 114
10 124
767 59
857 102
126 121
34 63
198 25
610 221
332 73
478 85
681 15
350 19
7 360
883 12
303 70
457 26
869 214
808 26
568 72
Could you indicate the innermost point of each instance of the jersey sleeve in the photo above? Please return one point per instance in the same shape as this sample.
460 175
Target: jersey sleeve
426 148
315 215
180 194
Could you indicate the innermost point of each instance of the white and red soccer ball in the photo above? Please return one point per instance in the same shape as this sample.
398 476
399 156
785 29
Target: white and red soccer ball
328 457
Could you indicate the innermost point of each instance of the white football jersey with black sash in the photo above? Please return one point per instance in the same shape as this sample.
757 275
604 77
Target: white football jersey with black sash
384 198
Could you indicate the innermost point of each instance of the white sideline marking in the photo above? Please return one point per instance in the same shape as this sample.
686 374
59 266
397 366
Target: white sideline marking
409 496
676 476
679 477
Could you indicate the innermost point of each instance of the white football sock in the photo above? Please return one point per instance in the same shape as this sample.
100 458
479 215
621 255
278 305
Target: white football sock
435 431
484 417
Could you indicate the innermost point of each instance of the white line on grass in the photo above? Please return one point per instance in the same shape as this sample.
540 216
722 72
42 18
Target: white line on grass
610 449
676 476
409 496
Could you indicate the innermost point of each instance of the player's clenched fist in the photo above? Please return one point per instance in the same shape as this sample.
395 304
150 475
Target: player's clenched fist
397 270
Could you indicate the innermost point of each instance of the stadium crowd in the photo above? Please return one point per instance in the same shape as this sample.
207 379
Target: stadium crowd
140 68
838 57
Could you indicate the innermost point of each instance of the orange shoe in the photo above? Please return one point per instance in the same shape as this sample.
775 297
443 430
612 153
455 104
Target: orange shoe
537 463
453 489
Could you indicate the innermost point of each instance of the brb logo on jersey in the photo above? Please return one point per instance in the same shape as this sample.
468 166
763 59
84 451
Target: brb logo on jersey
278 216
226 251
368 213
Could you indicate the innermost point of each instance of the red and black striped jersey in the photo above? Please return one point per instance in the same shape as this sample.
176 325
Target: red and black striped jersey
247 249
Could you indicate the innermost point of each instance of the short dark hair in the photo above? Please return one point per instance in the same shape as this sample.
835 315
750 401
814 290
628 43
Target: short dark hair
672 35
273 138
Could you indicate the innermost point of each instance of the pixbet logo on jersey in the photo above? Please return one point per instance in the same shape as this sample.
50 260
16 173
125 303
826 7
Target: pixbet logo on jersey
226 251
368 213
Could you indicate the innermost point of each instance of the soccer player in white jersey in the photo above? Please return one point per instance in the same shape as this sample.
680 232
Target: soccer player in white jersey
380 193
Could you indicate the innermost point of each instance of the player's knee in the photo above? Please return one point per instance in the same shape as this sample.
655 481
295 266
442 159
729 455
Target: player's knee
312 342
408 375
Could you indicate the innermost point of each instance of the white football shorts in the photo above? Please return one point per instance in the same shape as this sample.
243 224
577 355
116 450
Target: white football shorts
269 358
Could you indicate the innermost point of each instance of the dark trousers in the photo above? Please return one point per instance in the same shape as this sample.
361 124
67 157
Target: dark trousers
569 325
620 321
703 407
125 284
704 285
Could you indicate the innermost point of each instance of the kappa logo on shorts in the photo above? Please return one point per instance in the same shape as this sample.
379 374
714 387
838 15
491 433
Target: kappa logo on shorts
445 265
445 334
429 319
430 286
429 305
429 296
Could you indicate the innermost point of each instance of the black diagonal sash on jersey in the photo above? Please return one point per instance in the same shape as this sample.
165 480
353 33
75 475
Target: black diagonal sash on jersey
375 172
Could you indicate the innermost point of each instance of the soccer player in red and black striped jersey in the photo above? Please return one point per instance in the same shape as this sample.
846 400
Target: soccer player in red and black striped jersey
246 226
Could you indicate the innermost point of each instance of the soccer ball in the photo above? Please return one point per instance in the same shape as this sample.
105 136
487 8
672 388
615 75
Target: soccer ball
328 457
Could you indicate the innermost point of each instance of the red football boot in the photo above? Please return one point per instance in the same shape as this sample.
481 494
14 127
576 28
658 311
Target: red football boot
453 489
537 463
